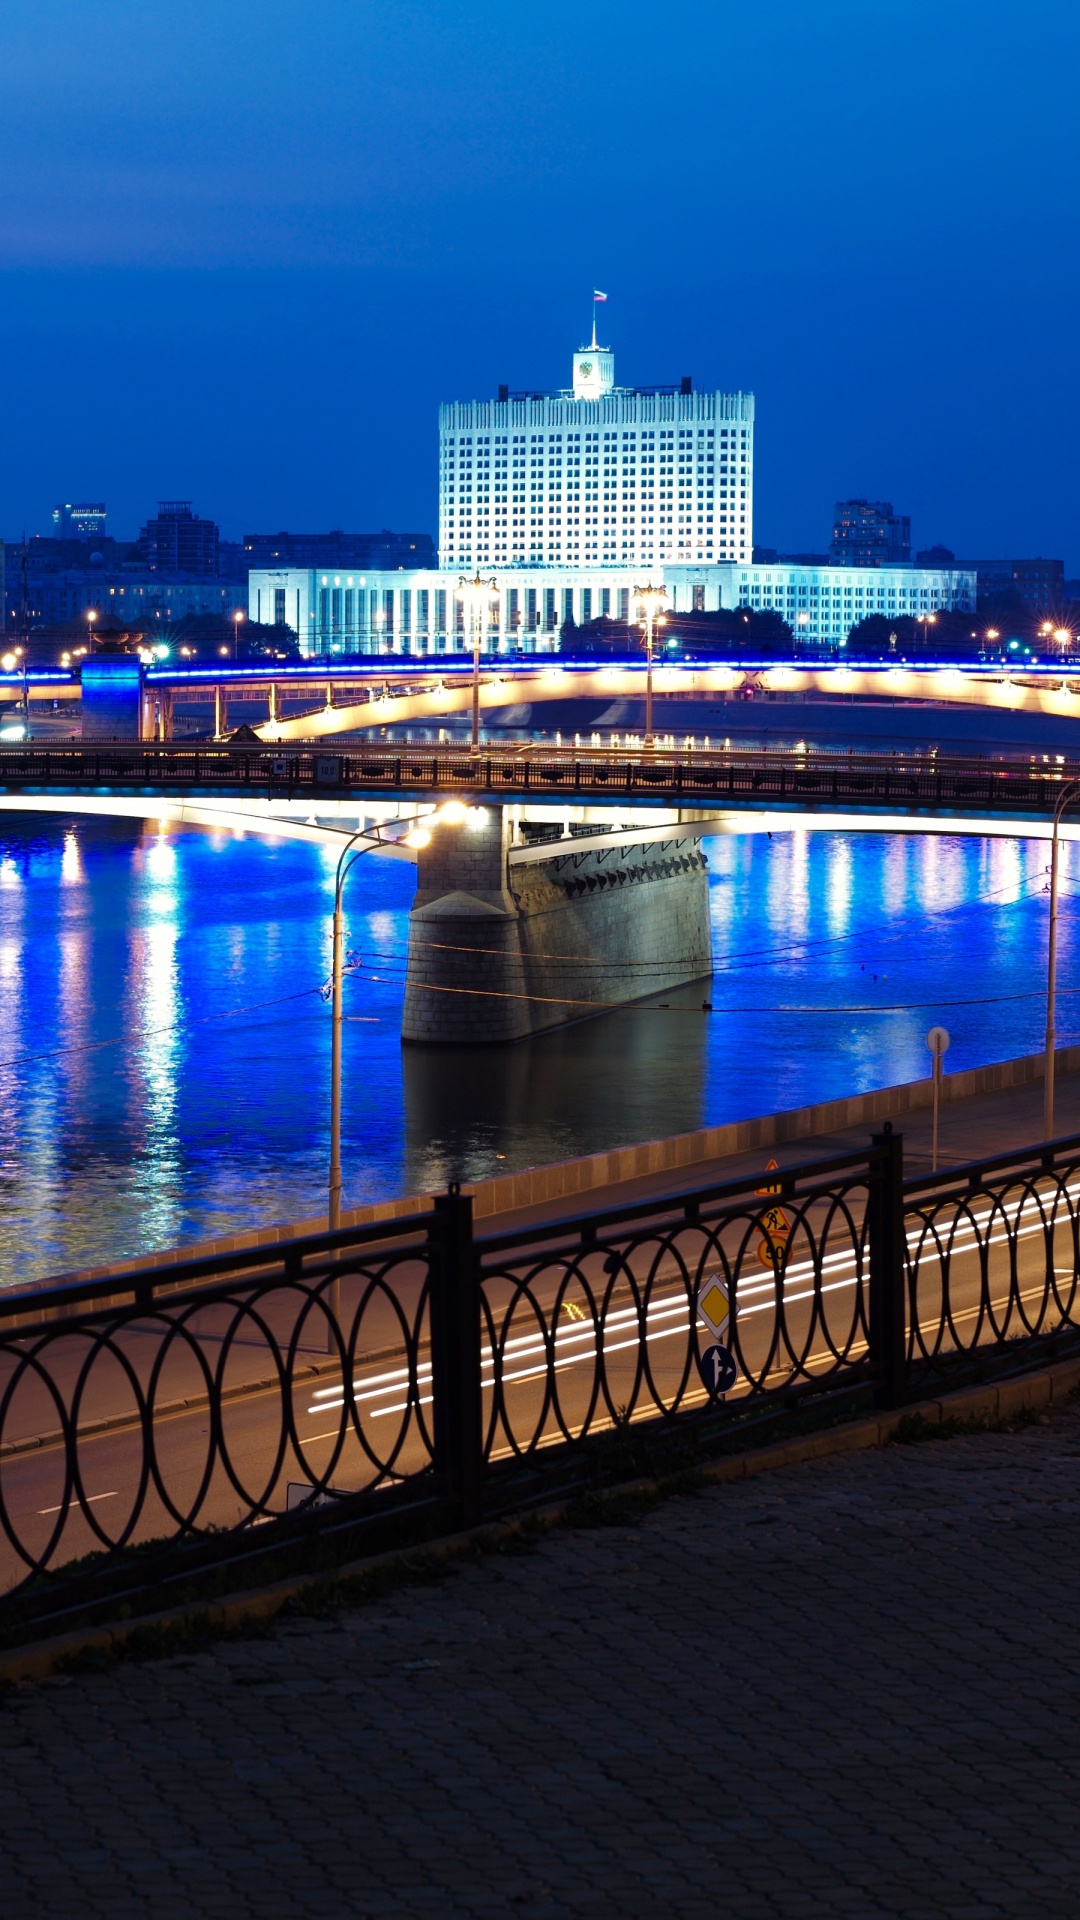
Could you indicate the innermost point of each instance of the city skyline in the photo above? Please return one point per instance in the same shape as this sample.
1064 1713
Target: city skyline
236 271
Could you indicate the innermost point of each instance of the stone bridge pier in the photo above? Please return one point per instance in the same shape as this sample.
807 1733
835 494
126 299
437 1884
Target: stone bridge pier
506 940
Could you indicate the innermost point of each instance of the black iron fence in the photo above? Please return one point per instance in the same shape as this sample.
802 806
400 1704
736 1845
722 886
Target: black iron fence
690 775
183 1408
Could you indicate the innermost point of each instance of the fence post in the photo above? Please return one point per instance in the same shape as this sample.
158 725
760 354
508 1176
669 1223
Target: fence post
888 1289
455 1355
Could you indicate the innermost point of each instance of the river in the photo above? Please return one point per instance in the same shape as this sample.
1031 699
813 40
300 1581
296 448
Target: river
164 1063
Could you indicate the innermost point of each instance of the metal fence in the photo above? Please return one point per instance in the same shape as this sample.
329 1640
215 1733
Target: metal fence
688 774
992 1255
412 1361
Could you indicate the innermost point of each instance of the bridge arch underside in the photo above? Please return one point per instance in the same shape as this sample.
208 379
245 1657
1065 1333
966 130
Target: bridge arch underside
332 821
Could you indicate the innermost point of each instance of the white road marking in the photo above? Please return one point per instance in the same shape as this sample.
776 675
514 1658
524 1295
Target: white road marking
75 1503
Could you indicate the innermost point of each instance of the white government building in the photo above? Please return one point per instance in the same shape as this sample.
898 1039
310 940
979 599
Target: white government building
571 500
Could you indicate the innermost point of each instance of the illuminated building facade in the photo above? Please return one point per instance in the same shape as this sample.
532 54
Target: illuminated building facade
421 612
597 474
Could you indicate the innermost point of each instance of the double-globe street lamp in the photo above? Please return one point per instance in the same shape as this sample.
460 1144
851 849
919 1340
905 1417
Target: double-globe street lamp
649 603
476 596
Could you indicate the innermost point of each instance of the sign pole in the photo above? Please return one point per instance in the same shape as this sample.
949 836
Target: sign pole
938 1042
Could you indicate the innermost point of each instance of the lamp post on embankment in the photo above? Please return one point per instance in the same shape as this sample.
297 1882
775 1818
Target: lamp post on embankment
476 596
350 854
1069 792
649 601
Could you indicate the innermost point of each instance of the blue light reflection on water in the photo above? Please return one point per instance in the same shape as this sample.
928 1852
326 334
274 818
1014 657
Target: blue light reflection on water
162 991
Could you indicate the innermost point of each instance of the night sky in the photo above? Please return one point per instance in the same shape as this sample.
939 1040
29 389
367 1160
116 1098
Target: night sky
246 249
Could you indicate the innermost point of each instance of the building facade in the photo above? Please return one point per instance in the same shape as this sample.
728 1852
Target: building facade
867 533
54 598
177 541
1040 584
423 612
337 549
597 475
75 521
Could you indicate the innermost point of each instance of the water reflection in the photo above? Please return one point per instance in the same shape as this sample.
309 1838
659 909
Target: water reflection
472 1112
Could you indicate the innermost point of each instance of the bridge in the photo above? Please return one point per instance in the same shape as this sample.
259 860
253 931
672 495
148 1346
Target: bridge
551 882
349 697
947 792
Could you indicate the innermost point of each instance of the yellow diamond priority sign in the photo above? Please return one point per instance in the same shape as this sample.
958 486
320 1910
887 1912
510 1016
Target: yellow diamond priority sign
714 1306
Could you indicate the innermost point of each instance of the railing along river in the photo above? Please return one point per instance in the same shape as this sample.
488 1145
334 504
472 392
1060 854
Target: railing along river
412 1364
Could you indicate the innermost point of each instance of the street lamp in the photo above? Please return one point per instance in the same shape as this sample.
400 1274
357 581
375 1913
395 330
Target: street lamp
237 617
648 602
1068 794
476 596
91 616
350 854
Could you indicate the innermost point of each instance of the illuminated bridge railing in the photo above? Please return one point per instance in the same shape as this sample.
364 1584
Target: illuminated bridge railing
688 776
412 1373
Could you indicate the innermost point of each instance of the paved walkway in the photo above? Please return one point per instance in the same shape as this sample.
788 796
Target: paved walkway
844 1691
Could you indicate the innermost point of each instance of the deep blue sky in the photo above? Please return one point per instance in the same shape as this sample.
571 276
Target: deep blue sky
246 249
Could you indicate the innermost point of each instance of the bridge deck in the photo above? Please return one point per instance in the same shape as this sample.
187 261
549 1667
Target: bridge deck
687 777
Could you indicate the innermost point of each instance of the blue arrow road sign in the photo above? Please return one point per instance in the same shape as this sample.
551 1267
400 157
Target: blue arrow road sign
718 1369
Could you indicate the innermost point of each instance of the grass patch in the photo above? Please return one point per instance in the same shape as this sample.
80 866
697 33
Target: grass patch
915 1428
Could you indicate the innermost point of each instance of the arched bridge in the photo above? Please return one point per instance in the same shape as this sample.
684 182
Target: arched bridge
569 865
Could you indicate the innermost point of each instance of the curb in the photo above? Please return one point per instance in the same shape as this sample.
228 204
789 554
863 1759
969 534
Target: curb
1050 1387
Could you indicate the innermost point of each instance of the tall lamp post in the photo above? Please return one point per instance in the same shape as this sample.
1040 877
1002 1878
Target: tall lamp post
1069 792
476 596
649 602
237 617
350 854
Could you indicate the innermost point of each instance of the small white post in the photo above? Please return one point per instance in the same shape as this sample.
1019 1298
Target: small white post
938 1042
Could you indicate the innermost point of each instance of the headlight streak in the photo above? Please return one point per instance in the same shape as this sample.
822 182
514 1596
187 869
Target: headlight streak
576 1344
581 1337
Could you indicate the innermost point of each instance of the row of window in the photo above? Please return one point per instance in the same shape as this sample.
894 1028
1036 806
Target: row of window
732 435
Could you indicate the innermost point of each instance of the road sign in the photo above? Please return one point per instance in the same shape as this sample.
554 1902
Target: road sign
938 1040
713 1305
718 1369
775 1225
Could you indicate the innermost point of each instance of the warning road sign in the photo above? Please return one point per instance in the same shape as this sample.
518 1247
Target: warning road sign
775 1226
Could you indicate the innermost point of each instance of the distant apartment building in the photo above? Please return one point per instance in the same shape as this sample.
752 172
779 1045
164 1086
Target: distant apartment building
176 541
1039 583
52 599
336 549
85 521
867 533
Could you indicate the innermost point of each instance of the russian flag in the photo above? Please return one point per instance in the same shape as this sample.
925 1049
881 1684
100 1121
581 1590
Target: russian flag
599 296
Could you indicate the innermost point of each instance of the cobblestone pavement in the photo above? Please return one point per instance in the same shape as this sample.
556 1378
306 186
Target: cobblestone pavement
848 1689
